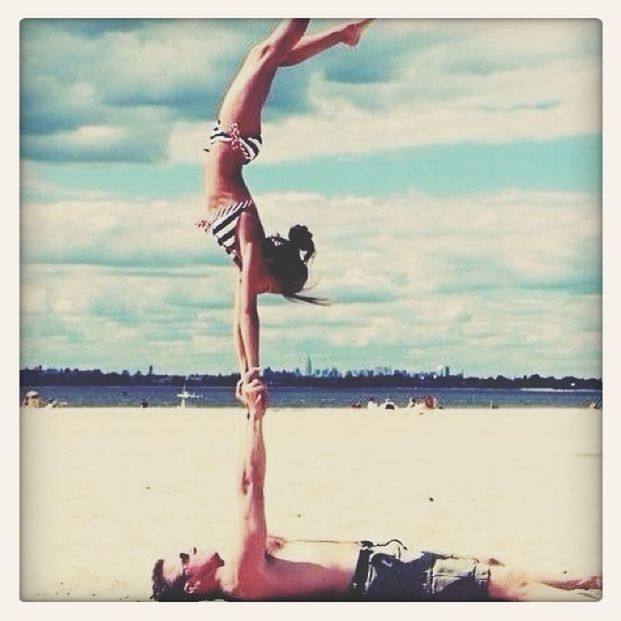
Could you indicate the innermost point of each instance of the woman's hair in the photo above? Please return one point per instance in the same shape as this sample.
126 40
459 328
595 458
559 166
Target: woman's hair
288 259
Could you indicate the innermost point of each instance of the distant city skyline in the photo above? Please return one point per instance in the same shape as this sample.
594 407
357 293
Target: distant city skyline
308 371
449 170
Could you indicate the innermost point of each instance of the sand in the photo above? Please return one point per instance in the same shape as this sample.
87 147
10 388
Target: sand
104 492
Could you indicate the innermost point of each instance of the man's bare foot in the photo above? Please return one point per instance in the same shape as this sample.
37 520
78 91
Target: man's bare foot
590 582
353 32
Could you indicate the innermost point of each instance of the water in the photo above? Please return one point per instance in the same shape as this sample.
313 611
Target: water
165 396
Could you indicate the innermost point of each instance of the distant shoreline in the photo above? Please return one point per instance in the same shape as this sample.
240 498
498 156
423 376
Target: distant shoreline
284 379
313 397
414 387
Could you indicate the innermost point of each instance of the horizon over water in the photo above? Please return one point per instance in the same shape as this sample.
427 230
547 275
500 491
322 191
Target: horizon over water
315 397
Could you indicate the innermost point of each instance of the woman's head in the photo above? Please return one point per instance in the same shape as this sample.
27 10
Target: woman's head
287 261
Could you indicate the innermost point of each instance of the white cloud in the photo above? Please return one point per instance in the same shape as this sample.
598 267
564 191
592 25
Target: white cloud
514 108
485 109
494 282
445 81
155 55
102 134
414 280
116 232
546 85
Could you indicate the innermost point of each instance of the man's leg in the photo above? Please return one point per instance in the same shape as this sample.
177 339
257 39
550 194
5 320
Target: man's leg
568 582
518 586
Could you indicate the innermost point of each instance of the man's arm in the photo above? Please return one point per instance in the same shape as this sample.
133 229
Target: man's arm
250 558
274 543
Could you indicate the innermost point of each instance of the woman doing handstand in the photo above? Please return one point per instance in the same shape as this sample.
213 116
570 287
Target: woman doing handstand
266 264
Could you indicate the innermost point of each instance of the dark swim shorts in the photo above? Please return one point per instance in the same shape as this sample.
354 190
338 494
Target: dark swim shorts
424 576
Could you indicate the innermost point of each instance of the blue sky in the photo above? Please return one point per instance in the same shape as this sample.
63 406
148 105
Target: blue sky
449 170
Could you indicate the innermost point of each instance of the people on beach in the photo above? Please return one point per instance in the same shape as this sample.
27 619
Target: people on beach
257 568
266 264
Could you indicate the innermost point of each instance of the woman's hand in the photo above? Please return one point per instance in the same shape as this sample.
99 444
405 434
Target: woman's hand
246 377
238 390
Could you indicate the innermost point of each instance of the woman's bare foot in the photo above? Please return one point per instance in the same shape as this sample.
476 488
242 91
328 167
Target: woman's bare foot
353 32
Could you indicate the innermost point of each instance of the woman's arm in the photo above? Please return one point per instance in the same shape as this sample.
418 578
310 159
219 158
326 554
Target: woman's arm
252 259
250 240
240 352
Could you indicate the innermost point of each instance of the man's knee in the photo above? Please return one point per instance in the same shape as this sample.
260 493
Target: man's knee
508 584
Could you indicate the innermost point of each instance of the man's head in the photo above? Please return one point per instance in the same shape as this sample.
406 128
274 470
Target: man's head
192 576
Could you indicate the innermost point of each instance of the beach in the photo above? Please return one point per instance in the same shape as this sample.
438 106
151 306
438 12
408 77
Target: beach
106 491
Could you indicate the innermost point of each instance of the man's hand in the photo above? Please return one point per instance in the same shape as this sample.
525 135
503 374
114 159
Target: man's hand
490 560
254 395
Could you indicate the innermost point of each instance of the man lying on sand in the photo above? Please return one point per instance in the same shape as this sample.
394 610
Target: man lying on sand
255 572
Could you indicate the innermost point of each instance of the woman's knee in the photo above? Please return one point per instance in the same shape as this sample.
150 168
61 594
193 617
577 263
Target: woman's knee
263 53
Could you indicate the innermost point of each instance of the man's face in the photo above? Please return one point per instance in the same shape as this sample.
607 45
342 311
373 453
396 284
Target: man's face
199 568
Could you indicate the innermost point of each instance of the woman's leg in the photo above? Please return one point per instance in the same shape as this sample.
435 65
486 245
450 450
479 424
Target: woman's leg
286 46
315 44
246 96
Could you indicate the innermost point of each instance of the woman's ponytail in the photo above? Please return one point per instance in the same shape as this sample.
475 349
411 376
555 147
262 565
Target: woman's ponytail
302 238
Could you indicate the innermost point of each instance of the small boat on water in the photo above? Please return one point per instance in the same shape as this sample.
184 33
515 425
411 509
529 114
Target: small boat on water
184 395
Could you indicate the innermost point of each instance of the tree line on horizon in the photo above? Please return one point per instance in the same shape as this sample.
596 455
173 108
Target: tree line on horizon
76 377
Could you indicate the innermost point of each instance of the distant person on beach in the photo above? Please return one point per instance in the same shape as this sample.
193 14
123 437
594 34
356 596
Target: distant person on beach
257 570
266 264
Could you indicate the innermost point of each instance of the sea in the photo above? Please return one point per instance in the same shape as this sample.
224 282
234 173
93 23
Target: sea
295 397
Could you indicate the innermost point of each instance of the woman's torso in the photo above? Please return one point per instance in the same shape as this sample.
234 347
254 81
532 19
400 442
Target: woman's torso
222 177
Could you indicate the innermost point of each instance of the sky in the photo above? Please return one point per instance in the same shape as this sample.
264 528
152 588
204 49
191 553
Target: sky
449 170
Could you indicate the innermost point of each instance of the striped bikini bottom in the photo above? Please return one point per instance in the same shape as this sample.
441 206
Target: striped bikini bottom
223 226
249 146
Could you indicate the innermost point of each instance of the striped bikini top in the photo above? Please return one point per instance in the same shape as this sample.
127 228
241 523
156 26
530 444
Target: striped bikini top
223 226
248 145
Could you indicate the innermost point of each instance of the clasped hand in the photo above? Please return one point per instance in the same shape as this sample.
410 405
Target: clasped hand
252 392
